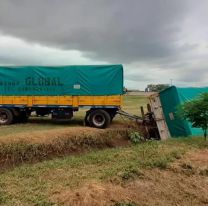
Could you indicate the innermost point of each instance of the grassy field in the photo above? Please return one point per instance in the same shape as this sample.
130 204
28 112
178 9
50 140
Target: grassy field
87 179
67 164
133 103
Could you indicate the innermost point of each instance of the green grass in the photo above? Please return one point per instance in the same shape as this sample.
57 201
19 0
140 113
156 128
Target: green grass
133 103
34 184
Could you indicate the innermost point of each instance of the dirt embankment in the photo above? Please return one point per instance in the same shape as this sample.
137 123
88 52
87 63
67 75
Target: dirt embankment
38 146
153 187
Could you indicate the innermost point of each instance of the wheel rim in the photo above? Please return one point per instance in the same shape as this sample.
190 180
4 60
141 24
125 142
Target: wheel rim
3 117
99 119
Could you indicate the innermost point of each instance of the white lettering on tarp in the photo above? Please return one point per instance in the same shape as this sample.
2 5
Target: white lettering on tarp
77 86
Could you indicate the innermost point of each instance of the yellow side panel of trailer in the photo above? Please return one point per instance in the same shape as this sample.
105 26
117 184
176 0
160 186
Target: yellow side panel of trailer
74 101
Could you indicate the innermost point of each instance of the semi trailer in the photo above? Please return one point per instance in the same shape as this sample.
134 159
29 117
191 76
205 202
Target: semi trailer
60 91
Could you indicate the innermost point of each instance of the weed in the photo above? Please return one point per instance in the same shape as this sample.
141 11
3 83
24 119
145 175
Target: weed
161 163
130 173
187 166
188 169
203 172
2 197
136 137
176 154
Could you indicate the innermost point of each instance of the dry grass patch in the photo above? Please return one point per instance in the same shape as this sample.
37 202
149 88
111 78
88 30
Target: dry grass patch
193 163
92 194
156 187
198 159
49 135
38 146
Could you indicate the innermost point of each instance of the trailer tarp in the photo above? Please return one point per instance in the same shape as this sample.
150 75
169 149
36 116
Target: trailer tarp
61 80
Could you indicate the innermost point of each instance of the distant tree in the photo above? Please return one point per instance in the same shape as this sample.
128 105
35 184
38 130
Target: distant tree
156 87
196 111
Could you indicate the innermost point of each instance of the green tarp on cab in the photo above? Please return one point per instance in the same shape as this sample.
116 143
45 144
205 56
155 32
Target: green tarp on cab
170 99
62 80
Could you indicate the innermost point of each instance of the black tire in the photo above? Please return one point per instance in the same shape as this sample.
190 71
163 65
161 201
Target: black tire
6 116
112 113
112 117
86 120
99 119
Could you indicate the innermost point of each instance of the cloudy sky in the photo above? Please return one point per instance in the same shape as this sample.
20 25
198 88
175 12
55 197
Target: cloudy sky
155 40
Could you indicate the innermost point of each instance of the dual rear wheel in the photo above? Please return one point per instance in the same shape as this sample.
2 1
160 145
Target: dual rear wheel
97 118
6 116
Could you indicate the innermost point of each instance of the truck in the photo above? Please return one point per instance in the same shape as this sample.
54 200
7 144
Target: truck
59 91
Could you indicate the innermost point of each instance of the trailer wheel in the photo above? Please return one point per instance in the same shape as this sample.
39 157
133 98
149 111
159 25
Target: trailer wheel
86 120
99 119
6 116
112 117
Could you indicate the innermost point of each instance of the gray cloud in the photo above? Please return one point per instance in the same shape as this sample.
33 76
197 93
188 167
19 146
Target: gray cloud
138 77
155 39
116 31
199 74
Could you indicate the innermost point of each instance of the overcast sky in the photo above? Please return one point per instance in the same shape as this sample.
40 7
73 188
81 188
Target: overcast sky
155 40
